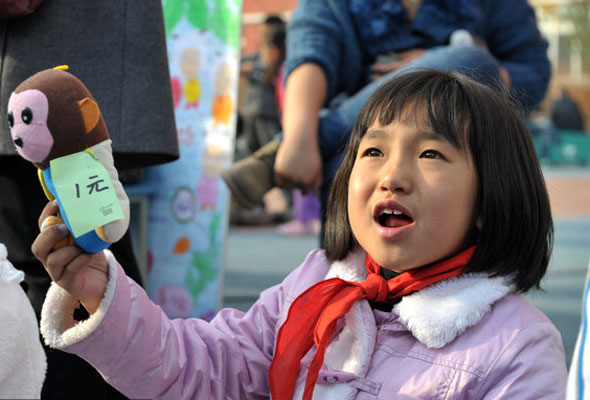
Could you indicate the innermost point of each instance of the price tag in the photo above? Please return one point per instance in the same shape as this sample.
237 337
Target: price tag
85 191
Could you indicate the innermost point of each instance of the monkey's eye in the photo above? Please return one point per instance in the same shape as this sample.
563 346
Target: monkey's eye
27 115
10 119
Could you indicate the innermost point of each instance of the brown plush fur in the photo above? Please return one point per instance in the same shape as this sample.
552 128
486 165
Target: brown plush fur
65 120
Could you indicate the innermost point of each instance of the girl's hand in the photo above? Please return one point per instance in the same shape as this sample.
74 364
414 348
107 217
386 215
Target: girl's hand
83 275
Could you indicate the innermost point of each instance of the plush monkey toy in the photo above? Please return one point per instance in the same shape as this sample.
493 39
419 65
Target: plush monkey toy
53 118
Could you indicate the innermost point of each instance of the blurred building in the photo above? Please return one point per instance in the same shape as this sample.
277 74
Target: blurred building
566 25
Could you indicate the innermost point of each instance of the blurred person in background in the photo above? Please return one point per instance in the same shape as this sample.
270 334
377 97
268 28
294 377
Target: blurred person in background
259 118
565 112
259 110
341 51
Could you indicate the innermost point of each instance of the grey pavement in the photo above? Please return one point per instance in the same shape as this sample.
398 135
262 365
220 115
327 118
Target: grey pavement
259 257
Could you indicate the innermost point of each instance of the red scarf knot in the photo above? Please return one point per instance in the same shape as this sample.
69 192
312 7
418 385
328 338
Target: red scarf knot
313 316
375 288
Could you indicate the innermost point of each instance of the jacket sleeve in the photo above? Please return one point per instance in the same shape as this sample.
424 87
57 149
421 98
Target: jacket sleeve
531 367
319 33
514 39
144 354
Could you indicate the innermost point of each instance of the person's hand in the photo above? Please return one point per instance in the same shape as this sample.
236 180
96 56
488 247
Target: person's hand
383 66
299 164
83 275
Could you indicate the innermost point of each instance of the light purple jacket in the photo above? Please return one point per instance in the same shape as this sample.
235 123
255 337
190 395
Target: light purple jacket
464 338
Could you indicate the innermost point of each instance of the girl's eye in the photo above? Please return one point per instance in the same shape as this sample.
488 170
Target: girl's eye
372 152
431 154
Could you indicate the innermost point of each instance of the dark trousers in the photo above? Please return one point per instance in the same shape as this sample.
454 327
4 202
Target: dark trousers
21 203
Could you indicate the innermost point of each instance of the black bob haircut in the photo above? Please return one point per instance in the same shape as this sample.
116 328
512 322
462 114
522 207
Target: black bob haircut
512 202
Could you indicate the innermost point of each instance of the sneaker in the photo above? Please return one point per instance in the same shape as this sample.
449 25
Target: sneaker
251 177
297 227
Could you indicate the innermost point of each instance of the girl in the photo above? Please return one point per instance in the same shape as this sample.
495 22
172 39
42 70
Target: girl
438 217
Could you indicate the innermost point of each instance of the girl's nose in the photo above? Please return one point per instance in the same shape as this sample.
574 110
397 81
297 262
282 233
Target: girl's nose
396 177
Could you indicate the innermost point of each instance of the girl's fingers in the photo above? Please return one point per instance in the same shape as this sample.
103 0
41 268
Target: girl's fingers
50 209
70 271
45 241
58 261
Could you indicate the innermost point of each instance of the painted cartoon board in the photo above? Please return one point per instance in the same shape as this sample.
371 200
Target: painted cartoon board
188 213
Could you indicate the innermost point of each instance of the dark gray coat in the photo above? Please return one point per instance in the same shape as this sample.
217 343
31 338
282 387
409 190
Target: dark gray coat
118 49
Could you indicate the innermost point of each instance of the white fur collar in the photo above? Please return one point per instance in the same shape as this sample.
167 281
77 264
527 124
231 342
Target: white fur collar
465 299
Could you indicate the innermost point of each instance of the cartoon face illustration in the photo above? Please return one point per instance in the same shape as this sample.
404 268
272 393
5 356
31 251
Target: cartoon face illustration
189 63
215 159
224 79
175 300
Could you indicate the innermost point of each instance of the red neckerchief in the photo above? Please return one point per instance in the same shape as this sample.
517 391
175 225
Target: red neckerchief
313 315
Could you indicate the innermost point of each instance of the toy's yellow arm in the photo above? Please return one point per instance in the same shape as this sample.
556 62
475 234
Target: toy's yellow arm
45 190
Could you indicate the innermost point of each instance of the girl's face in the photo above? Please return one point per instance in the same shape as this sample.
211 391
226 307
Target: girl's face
411 195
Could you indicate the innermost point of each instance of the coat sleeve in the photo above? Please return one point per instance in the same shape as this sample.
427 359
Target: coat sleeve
532 366
144 354
320 32
515 40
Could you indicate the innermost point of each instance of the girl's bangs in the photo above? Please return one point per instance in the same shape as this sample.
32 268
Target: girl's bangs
440 106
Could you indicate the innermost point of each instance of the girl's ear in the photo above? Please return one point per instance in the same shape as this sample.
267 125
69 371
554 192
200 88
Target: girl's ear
479 223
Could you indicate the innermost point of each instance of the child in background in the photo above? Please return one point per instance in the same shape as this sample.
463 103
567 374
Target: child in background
306 215
438 218
22 358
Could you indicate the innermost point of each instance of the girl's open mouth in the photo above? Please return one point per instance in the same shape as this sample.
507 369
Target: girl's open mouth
391 218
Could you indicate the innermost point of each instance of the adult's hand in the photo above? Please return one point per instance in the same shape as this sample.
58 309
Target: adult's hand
299 164
83 275
396 61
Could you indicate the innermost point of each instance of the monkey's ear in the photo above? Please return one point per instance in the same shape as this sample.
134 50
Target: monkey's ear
90 113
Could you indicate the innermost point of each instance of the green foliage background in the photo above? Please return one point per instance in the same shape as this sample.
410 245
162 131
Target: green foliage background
223 18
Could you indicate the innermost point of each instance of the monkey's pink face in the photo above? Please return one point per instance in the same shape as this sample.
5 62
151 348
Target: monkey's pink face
27 118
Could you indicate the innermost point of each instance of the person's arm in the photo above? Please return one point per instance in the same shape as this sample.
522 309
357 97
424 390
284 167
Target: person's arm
298 160
137 348
144 354
323 60
516 42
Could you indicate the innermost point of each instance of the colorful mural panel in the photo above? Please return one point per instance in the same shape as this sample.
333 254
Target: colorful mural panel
188 213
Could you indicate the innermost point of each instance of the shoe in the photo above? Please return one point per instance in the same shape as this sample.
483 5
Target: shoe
297 228
251 177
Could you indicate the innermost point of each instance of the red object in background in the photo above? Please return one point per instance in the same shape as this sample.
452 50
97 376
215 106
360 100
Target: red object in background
176 91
